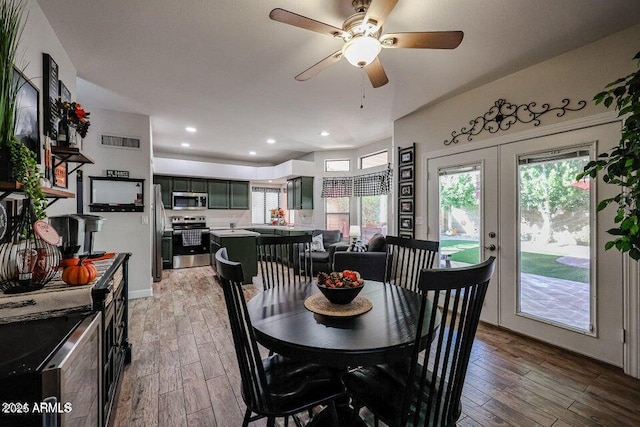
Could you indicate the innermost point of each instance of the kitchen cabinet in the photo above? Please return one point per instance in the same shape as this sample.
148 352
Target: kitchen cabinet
110 297
190 185
238 195
300 193
166 187
218 194
241 247
167 250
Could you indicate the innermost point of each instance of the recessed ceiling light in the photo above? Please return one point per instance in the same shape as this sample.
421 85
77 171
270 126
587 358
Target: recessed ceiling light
186 144
271 141
270 180
324 133
190 129
253 153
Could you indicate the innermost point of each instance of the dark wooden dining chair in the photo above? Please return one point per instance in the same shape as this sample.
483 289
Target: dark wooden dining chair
427 392
284 260
275 386
406 258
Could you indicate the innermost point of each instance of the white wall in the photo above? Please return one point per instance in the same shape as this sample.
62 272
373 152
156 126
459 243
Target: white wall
38 38
123 232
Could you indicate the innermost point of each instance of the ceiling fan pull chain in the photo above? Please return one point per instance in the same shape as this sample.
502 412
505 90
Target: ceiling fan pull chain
362 97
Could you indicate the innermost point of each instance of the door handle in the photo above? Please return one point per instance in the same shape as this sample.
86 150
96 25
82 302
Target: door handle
491 247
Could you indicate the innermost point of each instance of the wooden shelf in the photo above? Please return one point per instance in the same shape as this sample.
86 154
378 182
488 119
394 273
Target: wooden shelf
7 188
69 154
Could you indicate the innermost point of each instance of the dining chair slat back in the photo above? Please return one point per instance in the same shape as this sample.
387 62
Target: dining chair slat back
437 374
406 258
284 260
274 386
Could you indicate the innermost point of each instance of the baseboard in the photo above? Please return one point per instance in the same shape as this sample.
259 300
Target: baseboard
141 294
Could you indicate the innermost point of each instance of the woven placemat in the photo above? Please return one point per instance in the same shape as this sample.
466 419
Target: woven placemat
319 304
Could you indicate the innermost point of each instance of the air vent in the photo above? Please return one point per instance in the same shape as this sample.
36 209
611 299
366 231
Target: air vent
120 142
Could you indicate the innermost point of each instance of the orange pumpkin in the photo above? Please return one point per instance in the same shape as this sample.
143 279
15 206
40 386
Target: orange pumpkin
66 262
80 273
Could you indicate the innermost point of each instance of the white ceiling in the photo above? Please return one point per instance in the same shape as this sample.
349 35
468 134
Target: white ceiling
225 68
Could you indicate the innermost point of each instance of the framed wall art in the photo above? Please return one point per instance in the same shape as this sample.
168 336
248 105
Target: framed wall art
406 195
406 222
406 155
406 173
60 175
406 235
406 206
27 123
406 190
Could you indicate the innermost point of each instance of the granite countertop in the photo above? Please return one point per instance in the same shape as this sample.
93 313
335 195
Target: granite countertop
234 233
284 227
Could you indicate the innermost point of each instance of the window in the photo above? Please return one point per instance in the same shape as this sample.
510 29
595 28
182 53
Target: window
262 201
337 214
375 159
337 165
373 214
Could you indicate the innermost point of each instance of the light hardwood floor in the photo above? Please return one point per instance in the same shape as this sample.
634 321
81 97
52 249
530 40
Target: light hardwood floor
184 371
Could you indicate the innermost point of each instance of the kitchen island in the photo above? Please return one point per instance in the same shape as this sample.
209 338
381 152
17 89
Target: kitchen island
241 247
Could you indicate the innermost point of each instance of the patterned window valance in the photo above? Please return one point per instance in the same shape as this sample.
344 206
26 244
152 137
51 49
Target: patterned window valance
266 189
372 184
337 187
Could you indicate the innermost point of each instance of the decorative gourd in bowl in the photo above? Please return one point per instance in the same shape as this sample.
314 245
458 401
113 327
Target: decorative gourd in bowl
340 287
79 273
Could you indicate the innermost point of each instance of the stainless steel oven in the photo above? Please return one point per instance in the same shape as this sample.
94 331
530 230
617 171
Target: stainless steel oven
51 377
191 242
189 201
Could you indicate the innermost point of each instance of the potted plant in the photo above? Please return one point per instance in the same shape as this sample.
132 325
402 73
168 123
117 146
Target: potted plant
620 166
15 157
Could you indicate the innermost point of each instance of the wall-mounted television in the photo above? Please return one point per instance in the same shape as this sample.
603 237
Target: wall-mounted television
116 194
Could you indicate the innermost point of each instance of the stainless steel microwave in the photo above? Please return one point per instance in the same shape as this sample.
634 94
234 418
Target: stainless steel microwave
189 201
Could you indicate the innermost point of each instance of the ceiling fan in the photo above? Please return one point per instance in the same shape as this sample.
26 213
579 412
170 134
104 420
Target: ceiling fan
362 37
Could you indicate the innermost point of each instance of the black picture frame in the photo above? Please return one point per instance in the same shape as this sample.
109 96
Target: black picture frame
406 223
406 190
406 173
406 235
27 116
64 92
406 206
406 156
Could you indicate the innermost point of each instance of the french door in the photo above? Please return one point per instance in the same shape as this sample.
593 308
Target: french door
554 280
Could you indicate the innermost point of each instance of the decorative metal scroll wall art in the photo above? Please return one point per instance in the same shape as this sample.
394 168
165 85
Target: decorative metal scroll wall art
504 114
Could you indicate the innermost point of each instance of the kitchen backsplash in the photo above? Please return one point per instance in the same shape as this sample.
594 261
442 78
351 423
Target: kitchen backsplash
221 218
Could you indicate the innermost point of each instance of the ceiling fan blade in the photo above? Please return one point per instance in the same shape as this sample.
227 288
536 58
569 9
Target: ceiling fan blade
316 68
376 73
425 40
378 11
305 23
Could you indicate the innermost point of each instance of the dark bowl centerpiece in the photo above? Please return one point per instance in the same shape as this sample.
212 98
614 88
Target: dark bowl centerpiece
340 287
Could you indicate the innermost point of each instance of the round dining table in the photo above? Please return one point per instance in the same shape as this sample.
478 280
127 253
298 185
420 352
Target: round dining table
383 334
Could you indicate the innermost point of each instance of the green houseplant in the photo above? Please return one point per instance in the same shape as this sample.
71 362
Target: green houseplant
621 165
23 165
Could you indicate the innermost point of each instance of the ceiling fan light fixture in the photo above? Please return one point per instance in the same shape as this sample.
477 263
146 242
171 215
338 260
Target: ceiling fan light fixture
361 51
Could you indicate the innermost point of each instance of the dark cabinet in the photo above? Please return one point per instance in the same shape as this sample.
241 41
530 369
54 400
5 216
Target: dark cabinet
167 250
218 194
300 193
166 187
238 195
110 297
191 185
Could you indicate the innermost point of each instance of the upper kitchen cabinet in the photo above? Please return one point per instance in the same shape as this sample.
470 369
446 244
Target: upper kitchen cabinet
300 193
166 187
192 185
239 195
218 194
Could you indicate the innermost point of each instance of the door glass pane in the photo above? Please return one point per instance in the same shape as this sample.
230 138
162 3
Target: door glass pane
554 246
460 222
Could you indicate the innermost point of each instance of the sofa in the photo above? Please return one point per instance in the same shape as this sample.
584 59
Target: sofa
331 242
371 264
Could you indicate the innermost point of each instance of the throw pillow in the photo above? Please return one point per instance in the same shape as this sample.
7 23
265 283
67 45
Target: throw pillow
317 244
377 243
